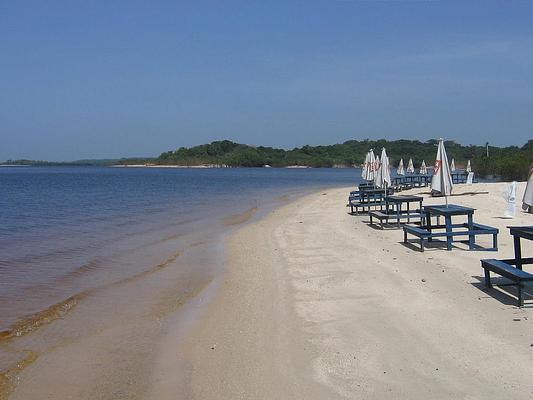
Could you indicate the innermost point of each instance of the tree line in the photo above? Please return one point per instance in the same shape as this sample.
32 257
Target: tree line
510 162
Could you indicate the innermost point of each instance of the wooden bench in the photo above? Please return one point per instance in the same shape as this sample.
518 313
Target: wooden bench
506 270
477 229
384 216
419 232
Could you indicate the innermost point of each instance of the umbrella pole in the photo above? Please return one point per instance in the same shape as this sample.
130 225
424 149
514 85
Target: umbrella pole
446 198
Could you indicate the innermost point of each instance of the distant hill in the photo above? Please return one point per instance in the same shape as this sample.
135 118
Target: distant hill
507 162
88 162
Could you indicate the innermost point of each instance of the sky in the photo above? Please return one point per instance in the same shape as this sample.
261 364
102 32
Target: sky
110 79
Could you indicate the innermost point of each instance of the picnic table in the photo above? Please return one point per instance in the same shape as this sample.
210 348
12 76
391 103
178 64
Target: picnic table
428 233
459 176
368 198
410 181
393 209
520 232
512 268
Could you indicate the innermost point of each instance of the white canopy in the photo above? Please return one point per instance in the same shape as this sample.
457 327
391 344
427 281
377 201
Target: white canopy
423 168
410 166
442 179
383 173
400 170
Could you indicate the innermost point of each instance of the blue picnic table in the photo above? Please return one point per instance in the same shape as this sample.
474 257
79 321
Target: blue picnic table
397 201
451 229
394 210
512 268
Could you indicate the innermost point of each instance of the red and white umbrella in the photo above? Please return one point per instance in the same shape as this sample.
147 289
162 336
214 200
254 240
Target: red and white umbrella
369 166
442 178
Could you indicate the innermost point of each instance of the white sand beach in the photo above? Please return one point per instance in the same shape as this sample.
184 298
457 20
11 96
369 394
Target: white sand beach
319 305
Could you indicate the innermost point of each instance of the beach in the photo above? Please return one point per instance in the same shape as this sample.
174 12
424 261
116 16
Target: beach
317 304
313 304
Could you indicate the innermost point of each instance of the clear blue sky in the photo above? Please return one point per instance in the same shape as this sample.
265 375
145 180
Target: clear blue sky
98 79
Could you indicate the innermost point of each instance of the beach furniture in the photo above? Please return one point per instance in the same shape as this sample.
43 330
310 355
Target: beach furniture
429 232
356 194
367 199
512 269
459 176
394 211
401 183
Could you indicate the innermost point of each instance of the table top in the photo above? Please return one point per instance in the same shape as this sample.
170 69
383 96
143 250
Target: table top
525 232
403 198
451 209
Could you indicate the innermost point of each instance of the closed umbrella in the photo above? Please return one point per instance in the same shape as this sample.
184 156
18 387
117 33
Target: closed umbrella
423 168
452 165
364 170
369 167
410 167
376 169
442 178
400 170
383 175
468 167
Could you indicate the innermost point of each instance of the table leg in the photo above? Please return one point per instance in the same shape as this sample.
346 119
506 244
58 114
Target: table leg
471 237
398 212
428 225
449 237
517 252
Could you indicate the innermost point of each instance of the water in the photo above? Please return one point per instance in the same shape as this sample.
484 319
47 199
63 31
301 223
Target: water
66 231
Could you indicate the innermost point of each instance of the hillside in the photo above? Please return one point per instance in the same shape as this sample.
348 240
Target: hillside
508 162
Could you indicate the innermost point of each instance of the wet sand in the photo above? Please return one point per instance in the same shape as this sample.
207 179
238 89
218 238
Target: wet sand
317 304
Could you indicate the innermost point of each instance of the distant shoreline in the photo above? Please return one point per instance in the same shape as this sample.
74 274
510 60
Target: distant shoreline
200 166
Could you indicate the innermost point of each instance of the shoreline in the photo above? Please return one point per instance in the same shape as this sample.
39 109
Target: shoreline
183 285
313 303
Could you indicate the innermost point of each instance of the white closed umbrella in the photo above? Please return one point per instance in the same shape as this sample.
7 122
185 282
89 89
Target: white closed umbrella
423 168
400 170
452 165
376 170
442 178
383 175
364 171
410 167
468 167
369 167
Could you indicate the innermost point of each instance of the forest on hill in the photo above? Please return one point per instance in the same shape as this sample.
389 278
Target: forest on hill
506 162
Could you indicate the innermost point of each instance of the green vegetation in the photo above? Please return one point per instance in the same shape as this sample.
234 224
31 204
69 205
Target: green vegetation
508 163
504 162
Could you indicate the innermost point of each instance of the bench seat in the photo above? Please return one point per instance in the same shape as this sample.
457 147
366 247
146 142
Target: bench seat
501 268
477 229
384 216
